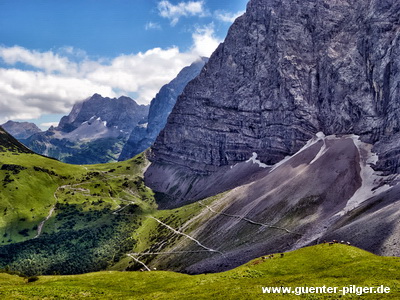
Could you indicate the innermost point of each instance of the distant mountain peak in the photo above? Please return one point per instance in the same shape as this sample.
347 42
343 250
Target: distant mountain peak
21 130
123 112
93 132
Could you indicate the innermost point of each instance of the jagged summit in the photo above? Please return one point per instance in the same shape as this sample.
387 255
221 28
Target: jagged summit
93 132
122 113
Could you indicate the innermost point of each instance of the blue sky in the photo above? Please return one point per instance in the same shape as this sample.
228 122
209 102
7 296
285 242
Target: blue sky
54 53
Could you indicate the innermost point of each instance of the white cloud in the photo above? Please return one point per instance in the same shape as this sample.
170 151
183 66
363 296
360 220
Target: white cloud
204 41
228 17
51 82
47 61
182 9
29 94
47 125
152 26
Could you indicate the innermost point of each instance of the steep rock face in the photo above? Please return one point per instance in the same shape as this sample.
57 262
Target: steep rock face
285 71
94 132
142 137
20 130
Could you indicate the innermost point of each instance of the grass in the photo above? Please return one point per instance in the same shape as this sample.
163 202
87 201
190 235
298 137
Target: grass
83 233
332 266
28 194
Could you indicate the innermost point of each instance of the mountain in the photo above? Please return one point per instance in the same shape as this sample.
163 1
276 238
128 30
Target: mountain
94 131
143 136
21 130
284 73
70 219
116 115
288 136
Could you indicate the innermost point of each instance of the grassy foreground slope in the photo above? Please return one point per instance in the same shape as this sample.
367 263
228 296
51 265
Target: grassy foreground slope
316 266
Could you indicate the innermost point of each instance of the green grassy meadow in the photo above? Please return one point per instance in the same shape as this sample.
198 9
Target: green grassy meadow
333 266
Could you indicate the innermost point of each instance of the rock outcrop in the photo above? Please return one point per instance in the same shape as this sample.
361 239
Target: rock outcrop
286 71
143 136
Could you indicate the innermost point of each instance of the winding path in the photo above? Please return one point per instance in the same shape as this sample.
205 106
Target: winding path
248 220
40 226
140 262
188 236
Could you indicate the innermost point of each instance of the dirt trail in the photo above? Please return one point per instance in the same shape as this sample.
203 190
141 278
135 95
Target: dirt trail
40 226
248 220
140 262
188 236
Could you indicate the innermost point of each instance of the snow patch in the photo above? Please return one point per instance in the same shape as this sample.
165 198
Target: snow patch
320 153
318 136
144 125
369 177
256 161
105 123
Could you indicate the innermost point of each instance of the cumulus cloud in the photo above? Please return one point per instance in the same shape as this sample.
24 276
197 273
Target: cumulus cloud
47 61
204 41
228 17
50 82
29 94
182 9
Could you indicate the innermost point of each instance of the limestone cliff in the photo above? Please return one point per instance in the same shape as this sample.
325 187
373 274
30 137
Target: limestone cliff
286 70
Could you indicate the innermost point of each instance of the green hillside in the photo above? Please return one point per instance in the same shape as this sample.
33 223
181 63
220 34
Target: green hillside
68 219
316 266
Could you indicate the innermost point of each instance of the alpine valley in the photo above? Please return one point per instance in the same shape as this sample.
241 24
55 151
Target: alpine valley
285 139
